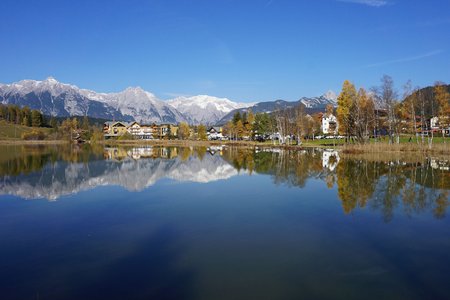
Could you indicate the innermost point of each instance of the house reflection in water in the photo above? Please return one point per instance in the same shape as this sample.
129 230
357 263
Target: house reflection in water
330 159
119 153
439 164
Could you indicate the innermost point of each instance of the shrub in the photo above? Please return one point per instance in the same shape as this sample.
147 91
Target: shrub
34 135
126 136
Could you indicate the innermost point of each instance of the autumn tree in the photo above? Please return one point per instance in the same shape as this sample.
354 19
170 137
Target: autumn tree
249 124
201 131
240 129
443 99
183 131
345 102
66 129
228 130
363 116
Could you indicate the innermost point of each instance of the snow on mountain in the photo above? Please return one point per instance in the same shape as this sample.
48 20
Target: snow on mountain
312 105
54 98
133 175
59 99
204 109
143 106
321 101
330 95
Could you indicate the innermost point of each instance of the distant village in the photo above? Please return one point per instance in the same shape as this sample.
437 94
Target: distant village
136 130
329 128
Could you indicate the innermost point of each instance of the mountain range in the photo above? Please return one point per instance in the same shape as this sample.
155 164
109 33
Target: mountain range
62 178
54 98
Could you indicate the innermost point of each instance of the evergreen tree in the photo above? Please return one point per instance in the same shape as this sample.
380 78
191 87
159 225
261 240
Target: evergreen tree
236 117
85 123
74 123
11 117
3 111
53 123
26 121
36 118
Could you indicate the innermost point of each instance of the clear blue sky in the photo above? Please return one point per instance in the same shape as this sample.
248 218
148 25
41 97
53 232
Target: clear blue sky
246 50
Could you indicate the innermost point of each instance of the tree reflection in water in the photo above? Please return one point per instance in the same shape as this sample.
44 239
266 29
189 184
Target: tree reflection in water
387 182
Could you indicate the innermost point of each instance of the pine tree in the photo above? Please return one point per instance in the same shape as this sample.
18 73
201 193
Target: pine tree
85 123
54 123
36 118
237 117
25 121
26 114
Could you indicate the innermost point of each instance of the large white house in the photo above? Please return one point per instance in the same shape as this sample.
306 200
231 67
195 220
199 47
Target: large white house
329 124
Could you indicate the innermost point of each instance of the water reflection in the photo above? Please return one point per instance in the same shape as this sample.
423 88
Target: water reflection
387 183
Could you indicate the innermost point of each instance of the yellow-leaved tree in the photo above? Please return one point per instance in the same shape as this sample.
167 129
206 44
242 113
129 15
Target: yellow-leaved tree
184 131
443 99
345 102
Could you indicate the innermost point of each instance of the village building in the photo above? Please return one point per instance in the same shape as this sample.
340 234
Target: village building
329 124
116 129
144 132
164 131
214 133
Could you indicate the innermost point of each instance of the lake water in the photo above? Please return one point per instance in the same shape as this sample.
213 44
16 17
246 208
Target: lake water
222 223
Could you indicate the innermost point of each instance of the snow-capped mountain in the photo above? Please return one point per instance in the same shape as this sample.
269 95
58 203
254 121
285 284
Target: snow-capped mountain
56 99
62 178
312 105
143 106
321 101
204 109
59 99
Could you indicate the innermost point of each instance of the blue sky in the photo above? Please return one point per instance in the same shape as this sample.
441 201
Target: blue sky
245 50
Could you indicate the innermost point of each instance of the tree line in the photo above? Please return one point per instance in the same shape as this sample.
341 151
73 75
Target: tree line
380 111
21 116
60 128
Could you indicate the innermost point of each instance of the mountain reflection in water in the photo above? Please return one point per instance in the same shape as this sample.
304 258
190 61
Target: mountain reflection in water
384 183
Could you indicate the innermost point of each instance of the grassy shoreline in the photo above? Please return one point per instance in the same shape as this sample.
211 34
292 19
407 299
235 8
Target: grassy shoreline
380 147
32 142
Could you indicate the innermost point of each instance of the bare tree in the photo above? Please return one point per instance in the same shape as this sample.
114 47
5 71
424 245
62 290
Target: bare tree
388 97
410 102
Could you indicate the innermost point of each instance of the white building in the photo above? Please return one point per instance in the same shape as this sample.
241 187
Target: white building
434 123
330 159
329 124
140 131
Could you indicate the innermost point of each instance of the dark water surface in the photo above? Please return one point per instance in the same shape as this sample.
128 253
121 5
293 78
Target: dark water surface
222 223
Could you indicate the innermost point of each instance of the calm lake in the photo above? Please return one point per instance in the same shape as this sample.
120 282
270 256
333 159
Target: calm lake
222 223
